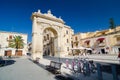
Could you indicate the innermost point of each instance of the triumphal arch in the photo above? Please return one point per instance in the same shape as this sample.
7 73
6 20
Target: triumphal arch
50 36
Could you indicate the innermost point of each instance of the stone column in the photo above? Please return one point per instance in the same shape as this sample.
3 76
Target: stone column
60 48
38 46
62 43
34 33
37 41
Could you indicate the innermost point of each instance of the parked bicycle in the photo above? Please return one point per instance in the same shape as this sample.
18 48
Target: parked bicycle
84 65
92 66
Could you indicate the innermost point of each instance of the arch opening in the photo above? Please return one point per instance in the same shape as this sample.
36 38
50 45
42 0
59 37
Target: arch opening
50 41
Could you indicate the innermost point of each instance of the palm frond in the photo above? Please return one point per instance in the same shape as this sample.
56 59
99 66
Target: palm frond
17 42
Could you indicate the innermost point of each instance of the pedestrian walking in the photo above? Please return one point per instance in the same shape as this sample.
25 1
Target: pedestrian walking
73 64
119 56
67 63
79 66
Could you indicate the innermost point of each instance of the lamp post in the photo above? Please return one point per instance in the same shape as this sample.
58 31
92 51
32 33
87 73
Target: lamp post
59 53
0 49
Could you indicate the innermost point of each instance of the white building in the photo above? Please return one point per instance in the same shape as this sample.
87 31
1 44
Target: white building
4 42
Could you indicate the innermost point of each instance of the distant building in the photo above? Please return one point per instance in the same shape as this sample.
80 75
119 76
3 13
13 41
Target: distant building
5 38
101 42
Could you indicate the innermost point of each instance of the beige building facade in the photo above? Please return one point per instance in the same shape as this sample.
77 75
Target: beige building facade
50 35
101 42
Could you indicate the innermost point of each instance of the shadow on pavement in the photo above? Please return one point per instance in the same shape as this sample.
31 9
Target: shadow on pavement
107 68
41 65
57 76
63 77
6 62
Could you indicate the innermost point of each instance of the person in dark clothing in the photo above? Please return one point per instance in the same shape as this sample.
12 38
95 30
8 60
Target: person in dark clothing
119 54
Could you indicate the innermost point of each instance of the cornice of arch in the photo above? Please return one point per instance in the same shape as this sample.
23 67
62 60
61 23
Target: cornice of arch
37 15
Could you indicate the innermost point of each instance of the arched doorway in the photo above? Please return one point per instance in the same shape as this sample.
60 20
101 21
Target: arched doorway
50 41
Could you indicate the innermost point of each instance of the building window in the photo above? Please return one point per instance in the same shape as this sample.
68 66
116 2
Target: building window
45 31
67 48
72 44
76 38
118 38
67 41
100 40
44 38
66 31
87 42
10 36
47 36
76 43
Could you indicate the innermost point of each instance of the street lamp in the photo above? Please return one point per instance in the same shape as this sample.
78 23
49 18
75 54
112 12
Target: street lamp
0 49
59 53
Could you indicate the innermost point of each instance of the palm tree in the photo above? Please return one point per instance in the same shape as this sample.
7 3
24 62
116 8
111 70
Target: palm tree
17 42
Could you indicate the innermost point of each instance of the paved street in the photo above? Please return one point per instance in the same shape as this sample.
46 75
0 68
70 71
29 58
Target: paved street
24 69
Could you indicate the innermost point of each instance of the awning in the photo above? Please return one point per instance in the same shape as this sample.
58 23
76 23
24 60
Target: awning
87 41
100 39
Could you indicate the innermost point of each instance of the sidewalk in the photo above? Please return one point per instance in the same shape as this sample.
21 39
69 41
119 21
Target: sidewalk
24 69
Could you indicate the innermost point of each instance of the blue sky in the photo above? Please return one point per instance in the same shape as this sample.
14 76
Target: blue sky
81 15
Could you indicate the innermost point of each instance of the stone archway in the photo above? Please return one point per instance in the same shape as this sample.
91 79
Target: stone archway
50 41
41 23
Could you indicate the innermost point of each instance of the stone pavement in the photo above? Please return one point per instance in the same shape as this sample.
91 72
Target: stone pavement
24 69
65 71
68 72
79 76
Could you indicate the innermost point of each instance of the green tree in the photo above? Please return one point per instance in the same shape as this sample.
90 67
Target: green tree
112 25
17 42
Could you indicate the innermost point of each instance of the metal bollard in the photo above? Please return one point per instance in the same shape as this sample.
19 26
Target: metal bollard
114 72
100 77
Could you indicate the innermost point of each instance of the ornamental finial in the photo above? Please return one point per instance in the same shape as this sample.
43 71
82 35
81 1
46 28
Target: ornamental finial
39 11
49 11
